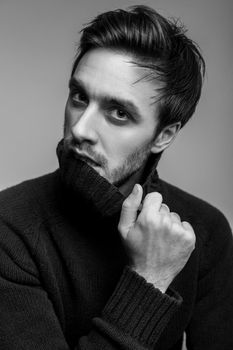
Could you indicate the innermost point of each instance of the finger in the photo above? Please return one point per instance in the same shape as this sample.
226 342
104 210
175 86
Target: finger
186 225
175 217
129 210
164 209
152 200
140 207
191 234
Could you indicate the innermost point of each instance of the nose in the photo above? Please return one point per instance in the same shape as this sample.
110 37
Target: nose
84 127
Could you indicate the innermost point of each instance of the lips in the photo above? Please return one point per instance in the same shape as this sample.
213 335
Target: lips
85 157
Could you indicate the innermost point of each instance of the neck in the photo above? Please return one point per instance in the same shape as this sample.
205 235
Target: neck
127 187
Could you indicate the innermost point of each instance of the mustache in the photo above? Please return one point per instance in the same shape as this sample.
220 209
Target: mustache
71 145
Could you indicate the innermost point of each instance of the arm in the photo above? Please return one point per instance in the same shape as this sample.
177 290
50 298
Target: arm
28 319
134 317
211 326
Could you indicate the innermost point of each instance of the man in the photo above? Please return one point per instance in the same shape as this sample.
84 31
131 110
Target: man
102 254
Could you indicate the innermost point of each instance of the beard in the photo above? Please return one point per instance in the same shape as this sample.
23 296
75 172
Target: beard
132 164
119 175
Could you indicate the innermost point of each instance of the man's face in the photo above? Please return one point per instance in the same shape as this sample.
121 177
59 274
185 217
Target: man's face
110 120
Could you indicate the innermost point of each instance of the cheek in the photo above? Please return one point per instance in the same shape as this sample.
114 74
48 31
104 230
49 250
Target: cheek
122 144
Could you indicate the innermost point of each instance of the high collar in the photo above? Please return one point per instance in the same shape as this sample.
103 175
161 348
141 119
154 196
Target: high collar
82 182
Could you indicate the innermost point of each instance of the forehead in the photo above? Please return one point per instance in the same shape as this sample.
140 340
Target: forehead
106 72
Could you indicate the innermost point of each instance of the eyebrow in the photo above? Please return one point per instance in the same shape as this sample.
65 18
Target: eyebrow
121 102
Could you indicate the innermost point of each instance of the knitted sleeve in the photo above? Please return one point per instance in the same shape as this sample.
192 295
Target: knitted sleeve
133 317
211 326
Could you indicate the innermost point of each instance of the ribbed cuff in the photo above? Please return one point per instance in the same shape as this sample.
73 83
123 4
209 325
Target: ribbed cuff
140 309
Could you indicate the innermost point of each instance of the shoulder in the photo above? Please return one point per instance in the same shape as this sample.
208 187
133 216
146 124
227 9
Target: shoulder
20 204
21 217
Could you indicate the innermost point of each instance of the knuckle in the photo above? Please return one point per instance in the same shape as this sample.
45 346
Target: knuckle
189 230
149 218
175 216
164 209
177 229
166 221
186 238
165 206
153 196
187 226
190 239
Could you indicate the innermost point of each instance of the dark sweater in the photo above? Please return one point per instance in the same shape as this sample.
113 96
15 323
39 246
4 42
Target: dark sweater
66 281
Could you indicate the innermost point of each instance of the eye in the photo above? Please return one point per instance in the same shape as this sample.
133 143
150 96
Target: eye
79 97
119 114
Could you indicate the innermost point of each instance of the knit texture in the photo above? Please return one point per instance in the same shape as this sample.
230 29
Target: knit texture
66 281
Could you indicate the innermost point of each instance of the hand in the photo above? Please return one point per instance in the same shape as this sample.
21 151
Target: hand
158 243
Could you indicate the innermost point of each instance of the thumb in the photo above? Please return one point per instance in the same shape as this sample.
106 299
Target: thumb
129 210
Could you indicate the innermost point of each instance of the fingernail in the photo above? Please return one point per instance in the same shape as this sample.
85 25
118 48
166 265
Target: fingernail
135 189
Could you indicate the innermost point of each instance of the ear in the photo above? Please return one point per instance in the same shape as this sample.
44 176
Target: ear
165 137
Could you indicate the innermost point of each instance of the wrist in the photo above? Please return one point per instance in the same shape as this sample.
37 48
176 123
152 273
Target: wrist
160 284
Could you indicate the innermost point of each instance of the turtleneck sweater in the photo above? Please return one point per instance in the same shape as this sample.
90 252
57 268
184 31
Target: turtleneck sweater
66 280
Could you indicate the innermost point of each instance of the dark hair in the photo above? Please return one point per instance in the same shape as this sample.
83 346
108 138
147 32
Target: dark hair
155 43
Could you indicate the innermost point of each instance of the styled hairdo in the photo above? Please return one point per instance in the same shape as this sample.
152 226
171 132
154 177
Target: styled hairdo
155 43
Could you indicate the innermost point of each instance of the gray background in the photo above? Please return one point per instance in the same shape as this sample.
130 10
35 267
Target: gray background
37 41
